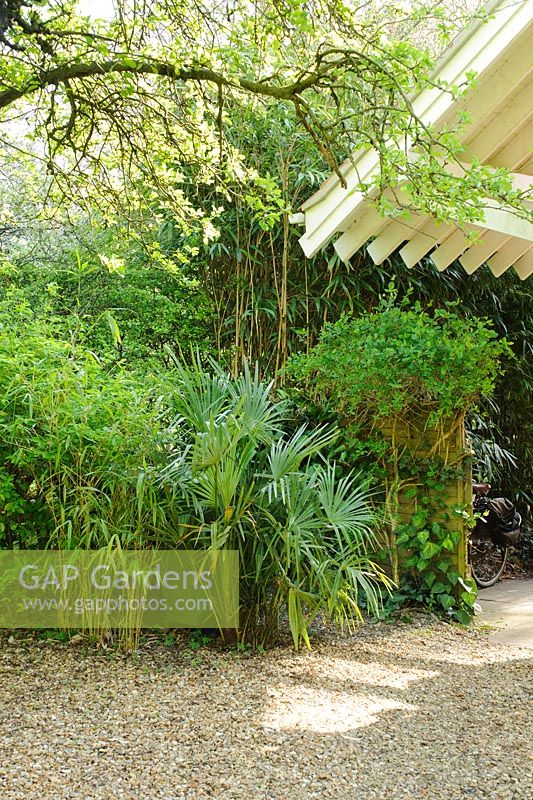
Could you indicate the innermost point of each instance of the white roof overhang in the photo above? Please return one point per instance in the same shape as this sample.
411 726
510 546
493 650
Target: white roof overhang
499 134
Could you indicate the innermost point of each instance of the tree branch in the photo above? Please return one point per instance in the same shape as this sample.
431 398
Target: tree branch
63 74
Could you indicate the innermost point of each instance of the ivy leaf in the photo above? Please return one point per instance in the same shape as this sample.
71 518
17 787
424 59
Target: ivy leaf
430 550
462 616
423 536
467 587
446 601
468 598
448 543
419 519
429 578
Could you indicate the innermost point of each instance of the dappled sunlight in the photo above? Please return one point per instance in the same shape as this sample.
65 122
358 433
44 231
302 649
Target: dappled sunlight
517 654
331 695
369 673
326 711
335 695
376 715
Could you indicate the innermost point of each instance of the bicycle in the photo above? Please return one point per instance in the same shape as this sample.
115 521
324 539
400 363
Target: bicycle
497 526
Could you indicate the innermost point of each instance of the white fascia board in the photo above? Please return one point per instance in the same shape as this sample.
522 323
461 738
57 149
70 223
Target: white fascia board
481 50
480 251
430 234
524 266
370 223
422 245
520 180
503 127
393 236
330 183
335 210
422 236
495 85
516 153
509 254
451 249
339 206
505 220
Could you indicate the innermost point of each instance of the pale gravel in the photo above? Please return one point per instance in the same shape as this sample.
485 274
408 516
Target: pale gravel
392 712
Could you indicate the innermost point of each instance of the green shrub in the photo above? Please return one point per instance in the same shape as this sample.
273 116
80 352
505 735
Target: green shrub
76 444
400 368
197 459
401 361
240 482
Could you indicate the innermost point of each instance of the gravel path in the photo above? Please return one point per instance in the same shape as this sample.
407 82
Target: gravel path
394 712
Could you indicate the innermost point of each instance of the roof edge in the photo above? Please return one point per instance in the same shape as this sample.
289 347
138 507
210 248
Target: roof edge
457 43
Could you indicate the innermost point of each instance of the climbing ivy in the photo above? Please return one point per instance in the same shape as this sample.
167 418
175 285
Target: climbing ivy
428 543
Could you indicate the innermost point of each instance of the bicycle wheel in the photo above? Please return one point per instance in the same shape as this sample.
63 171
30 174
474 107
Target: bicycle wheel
487 561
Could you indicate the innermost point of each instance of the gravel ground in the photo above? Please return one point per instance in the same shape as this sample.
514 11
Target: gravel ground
393 712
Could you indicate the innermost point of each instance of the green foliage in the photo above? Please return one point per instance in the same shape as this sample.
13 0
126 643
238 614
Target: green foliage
401 361
397 366
95 459
205 180
129 317
428 546
257 298
239 481
209 165
344 73
76 443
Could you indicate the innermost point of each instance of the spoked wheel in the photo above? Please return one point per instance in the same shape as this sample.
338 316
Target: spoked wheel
487 560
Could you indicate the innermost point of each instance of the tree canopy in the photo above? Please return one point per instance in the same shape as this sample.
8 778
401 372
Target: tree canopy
124 103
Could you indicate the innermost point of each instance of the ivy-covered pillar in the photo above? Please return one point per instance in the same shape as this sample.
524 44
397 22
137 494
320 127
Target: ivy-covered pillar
399 381
432 505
